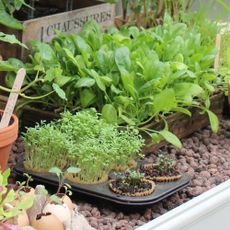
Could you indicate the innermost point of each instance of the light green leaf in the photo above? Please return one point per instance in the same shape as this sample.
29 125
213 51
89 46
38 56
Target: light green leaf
85 82
122 59
214 121
45 50
165 101
73 170
156 138
7 66
87 97
185 91
52 73
109 113
183 110
55 170
171 138
9 21
98 80
11 39
127 120
59 91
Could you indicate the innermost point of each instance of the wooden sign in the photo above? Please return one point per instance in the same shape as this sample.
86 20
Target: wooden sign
43 28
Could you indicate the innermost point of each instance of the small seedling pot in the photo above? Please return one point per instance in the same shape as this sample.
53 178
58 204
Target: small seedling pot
34 169
77 180
136 194
161 178
8 136
132 164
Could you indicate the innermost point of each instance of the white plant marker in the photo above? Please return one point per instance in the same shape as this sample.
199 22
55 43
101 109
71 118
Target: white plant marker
12 98
217 59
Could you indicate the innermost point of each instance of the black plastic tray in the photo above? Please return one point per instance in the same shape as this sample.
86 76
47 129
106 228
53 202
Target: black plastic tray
102 191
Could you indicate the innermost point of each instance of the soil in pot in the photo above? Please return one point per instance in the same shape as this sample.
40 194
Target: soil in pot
144 188
131 183
153 172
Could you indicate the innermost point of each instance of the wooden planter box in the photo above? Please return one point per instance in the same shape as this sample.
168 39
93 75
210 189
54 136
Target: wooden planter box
179 123
183 125
42 28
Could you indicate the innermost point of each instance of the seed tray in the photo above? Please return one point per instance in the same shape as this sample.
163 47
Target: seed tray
101 191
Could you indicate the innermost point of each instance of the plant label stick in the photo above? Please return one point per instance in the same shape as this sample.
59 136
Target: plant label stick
217 59
12 98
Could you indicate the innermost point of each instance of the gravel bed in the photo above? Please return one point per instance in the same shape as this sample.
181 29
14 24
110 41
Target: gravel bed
205 157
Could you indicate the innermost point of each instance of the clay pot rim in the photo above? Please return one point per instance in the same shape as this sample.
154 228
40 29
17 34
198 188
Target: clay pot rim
11 126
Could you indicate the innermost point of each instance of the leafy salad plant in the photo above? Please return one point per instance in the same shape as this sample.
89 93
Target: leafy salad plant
7 9
131 76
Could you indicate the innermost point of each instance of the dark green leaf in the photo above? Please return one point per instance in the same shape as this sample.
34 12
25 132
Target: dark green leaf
87 97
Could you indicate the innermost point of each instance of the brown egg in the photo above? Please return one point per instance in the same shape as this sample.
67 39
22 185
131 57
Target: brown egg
46 222
22 219
66 200
61 211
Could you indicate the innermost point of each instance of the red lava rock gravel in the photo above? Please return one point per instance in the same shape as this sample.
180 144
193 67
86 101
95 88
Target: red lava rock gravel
205 157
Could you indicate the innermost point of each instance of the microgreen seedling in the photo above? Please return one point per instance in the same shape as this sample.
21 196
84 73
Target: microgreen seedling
61 177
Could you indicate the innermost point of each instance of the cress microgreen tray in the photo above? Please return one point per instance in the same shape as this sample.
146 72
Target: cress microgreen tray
101 191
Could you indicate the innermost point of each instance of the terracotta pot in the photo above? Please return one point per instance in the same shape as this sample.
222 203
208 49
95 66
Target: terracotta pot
8 136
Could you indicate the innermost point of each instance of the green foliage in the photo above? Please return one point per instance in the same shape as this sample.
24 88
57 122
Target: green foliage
84 141
61 177
130 177
7 9
9 195
10 39
46 146
164 164
24 184
131 76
